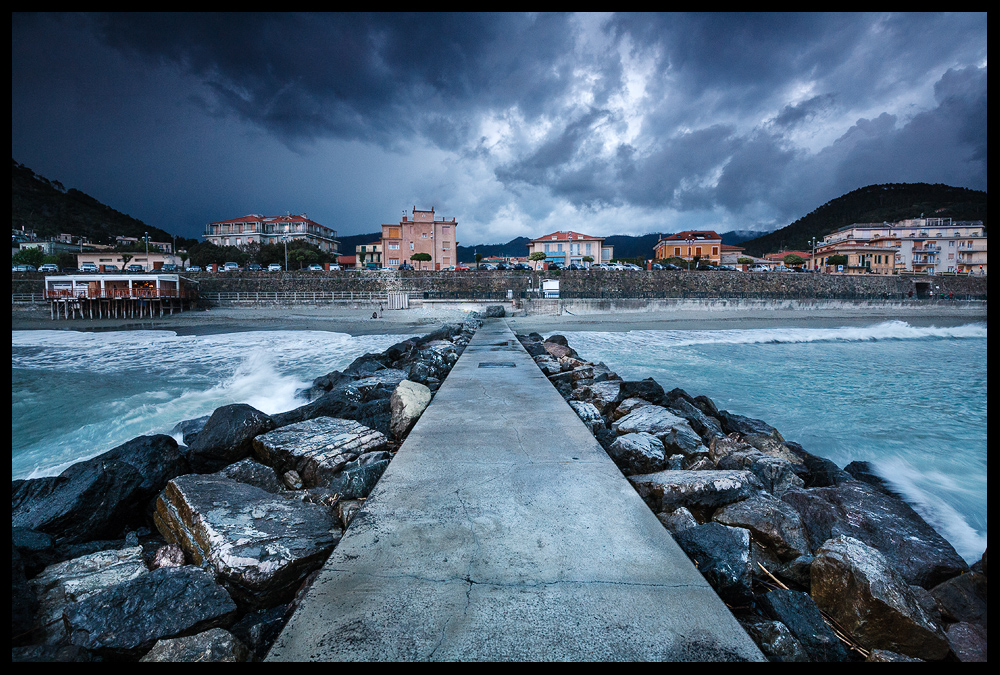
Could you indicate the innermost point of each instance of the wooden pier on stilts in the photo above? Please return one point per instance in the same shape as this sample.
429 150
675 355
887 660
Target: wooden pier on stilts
118 296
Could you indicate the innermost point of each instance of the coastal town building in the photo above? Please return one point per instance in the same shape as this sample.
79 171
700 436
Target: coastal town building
421 232
565 247
118 295
258 229
692 245
368 256
152 262
917 245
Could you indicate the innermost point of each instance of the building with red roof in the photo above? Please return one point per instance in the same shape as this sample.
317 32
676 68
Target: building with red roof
567 247
701 245
258 229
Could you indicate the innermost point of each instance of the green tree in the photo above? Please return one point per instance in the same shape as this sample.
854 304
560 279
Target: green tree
792 260
420 257
838 259
743 260
28 256
537 255
588 258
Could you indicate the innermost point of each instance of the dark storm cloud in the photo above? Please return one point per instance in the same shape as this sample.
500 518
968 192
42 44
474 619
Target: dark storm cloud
759 117
367 76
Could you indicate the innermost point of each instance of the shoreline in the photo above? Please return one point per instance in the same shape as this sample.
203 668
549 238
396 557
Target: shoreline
357 322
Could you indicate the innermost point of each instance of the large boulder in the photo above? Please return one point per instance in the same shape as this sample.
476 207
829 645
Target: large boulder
776 474
62 585
673 431
227 437
259 545
858 587
101 497
963 598
317 449
772 522
858 510
588 414
775 641
722 555
358 477
638 453
408 402
667 490
799 612
126 620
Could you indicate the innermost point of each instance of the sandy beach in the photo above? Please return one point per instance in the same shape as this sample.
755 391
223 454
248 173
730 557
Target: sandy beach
416 320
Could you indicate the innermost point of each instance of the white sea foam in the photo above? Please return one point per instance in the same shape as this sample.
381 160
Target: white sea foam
84 393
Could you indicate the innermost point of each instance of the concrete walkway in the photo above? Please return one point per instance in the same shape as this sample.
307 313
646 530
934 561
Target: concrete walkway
502 531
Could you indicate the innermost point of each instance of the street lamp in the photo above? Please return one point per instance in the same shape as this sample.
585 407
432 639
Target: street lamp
813 261
689 242
285 239
146 237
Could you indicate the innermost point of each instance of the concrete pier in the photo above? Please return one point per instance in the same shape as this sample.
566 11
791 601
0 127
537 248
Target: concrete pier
502 531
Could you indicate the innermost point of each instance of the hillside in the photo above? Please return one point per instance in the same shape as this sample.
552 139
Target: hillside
889 202
50 209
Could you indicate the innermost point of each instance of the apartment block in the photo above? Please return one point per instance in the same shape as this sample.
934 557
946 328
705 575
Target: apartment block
420 232
258 229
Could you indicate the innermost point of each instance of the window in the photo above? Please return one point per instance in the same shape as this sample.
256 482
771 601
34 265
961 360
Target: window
411 245
393 261
393 247
715 250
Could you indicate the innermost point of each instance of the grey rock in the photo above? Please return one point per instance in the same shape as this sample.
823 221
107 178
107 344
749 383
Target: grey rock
188 429
258 544
673 431
722 555
227 437
637 453
317 449
408 402
254 473
495 311
626 406
61 585
798 611
677 520
890 525
604 395
666 490
215 645
775 641
23 599
588 414
99 498
127 620
858 587
705 426
776 474
963 598
967 642
171 555
358 478
772 522
733 423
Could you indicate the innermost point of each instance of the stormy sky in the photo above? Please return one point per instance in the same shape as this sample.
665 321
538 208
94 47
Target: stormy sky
515 124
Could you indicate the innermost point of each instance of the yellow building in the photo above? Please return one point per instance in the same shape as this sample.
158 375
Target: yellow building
701 245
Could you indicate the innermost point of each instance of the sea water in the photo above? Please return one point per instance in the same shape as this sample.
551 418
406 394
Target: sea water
75 395
911 400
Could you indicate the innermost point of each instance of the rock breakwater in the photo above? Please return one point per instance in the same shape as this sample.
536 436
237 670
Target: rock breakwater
818 563
162 551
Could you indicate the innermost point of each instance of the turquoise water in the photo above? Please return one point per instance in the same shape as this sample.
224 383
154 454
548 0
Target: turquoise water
911 400
75 395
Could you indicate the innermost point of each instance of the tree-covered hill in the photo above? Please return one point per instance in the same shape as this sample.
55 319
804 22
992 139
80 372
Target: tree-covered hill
49 209
889 202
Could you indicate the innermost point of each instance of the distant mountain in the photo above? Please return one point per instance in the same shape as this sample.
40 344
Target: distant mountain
515 248
889 202
49 209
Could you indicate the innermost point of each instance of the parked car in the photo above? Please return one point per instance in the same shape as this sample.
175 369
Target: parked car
25 268
194 268
170 268
671 266
757 268
274 267
315 268
705 267
135 269
461 268
70 270
231 267
727 268
406 267
254 268
49 268
334 267
89 268
111 269
522 266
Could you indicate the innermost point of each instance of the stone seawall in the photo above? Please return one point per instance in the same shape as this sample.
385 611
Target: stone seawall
495 285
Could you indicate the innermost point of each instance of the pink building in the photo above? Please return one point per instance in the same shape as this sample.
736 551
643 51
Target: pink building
420 233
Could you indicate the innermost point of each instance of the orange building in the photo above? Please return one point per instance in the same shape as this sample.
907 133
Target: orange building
423 233
703 245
